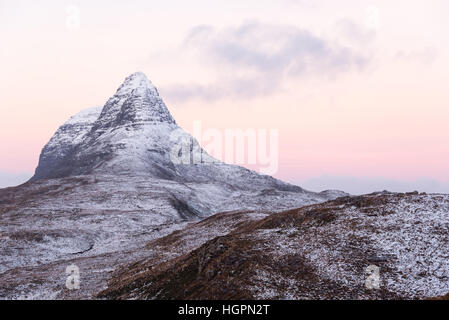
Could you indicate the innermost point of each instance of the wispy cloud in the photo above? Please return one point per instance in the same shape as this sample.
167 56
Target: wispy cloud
425 55
254 59
355 32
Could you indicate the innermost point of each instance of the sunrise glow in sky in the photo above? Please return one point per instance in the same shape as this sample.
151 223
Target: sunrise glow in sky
358 90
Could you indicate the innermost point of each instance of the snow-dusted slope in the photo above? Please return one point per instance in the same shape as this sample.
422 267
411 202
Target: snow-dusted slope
64 141
378 246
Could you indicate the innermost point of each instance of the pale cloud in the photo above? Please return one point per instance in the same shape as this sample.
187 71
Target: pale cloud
255 58
225 88
425 55
355 32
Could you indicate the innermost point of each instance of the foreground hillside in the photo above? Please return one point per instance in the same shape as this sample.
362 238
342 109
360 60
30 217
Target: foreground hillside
101 221
315 252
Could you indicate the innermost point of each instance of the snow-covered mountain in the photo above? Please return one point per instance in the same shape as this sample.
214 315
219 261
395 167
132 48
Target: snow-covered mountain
135 134
109 181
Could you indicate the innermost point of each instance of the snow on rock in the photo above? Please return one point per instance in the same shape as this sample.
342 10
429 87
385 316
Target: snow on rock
323 251
86 116
404 235
65 140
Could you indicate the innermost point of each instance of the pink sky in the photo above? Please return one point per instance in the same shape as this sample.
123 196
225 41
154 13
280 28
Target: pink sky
355 88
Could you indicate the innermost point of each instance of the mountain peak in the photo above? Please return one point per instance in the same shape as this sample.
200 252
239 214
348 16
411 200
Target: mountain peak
135 102
137 80
135 114
136 135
